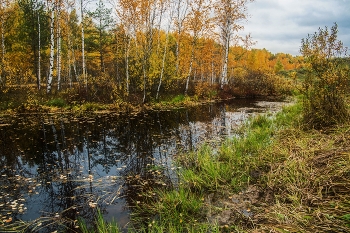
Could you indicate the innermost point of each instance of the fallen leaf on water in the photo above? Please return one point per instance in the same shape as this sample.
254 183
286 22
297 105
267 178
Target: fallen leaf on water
92 204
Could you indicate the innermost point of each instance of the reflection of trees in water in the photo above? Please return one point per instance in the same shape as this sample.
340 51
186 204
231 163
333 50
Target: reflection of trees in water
68 158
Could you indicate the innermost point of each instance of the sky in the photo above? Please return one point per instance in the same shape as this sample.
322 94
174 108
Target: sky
279 25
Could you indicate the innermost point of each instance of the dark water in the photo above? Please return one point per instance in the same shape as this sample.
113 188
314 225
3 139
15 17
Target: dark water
55 168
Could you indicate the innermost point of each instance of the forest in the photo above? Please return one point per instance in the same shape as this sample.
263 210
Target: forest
133 51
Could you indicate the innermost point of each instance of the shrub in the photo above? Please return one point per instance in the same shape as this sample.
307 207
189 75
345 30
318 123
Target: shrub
326 79
204 90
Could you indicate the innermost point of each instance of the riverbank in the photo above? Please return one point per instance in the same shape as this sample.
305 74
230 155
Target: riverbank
58 105
122 107
275 176
27 99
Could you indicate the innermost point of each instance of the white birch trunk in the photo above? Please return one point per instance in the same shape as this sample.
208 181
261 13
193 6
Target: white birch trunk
83 43
127 50
163 63
74 64
39 55
165 50
52 50
212 72
144 82
59 63
3 48
69 60
2 51
226 38
190 69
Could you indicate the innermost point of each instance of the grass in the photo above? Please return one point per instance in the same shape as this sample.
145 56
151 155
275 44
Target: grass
178 99
101 226
286 178
175 209
311 183
215 173
57 102
229 167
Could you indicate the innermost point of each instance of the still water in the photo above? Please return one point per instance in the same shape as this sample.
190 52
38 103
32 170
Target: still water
57 167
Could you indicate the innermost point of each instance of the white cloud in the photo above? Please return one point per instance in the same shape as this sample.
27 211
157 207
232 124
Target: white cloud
279 25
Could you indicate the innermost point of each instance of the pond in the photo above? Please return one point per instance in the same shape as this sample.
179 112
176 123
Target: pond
57 167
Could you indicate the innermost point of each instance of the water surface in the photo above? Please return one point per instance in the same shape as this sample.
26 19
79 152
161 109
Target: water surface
55 167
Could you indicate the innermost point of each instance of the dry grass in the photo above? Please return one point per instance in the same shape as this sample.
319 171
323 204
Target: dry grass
309 191
299 182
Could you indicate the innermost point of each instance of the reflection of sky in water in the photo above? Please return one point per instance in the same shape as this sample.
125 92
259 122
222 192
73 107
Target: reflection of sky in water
69 167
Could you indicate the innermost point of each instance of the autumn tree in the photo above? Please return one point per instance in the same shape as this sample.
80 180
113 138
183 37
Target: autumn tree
126 11
327 79
82 15
34 32
167 34
197 22
229 14
181 8
146 16
4 14
103 21
51 9
71 35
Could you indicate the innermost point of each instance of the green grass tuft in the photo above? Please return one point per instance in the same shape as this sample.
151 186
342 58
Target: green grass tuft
101 226
58 102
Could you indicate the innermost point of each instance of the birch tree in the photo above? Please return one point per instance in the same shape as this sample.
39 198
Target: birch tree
229 15
83 43
51 8
147 19
171 12
144 18
70 52
39 53
59 40
3 17
198 21
181 11
125 11
72 40
33 32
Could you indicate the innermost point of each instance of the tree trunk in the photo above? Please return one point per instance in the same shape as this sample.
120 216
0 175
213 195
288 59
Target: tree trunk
226 48
102 65
58 48
190 69
164 54
144 81
3 51
127 48
39 55
52 50
69 60
83 43
163 65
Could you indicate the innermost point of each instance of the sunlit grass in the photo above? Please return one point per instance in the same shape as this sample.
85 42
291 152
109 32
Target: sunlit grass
228 168
303 176
101 226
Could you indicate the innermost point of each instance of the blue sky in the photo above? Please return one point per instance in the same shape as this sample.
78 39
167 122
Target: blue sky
279 25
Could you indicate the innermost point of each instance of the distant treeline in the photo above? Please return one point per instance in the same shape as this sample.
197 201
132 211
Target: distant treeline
135 48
